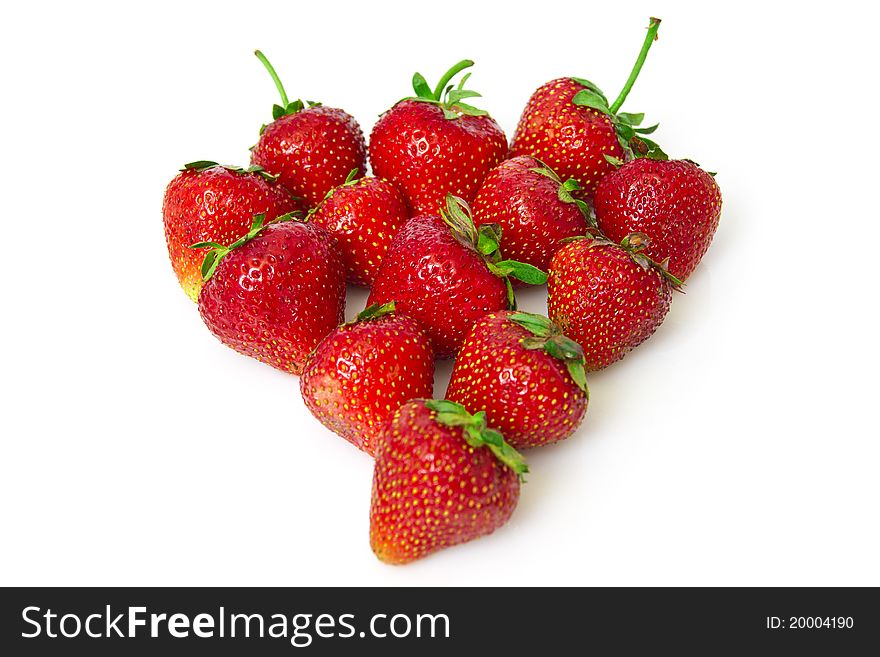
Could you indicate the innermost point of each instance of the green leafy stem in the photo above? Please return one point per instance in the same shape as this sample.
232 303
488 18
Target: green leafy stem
635 244
375 311
627 125
218 251
287 106
564 192
446 96
477 433
486 240
547 336
204 165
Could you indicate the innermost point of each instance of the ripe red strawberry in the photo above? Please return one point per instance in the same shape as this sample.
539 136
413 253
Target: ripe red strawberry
434 144
673 202
311 149
207 202
569 124
275 293
526 375
606 297
446 274
363 215
441 478
364 371
533 207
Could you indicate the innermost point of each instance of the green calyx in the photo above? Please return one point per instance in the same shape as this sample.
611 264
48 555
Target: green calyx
350 179
486 240
627 126
204 165
477 433
287 106
565 190
547 336
697 164
375 311
635 245
218 251
446 96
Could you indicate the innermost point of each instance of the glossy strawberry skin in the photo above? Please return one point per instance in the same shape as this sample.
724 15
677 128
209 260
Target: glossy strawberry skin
431 490
571 139
605 301
276 297
427 155
312 151
526 205
438 281
363 216
675 203
215 205
363 372
528 395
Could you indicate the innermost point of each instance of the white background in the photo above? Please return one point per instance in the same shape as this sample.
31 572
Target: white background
738 446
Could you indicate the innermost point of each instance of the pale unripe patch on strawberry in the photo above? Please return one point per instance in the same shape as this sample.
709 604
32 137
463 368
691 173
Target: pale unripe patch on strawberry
207 202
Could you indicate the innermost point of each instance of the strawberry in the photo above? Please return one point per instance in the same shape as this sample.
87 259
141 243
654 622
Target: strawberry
311 148
609 298
275 293
447 274
364 371
674 202
434 144
441 478
533 208
569 124
363 215
208 202
526 375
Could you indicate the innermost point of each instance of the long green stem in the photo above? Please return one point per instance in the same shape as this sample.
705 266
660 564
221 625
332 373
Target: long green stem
275 77
451 73
653 26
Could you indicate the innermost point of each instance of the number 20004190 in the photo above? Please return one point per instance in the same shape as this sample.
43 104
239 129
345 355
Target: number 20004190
810 622
817 622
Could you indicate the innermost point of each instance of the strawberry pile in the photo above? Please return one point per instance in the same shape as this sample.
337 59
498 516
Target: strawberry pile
451 223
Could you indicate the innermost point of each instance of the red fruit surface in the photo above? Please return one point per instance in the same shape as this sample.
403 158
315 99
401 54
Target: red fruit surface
312 151
363 372
675 203
432 490
216 204
527 206
437 280
427 155
571 139
604 300
276 297
528 395
363 216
